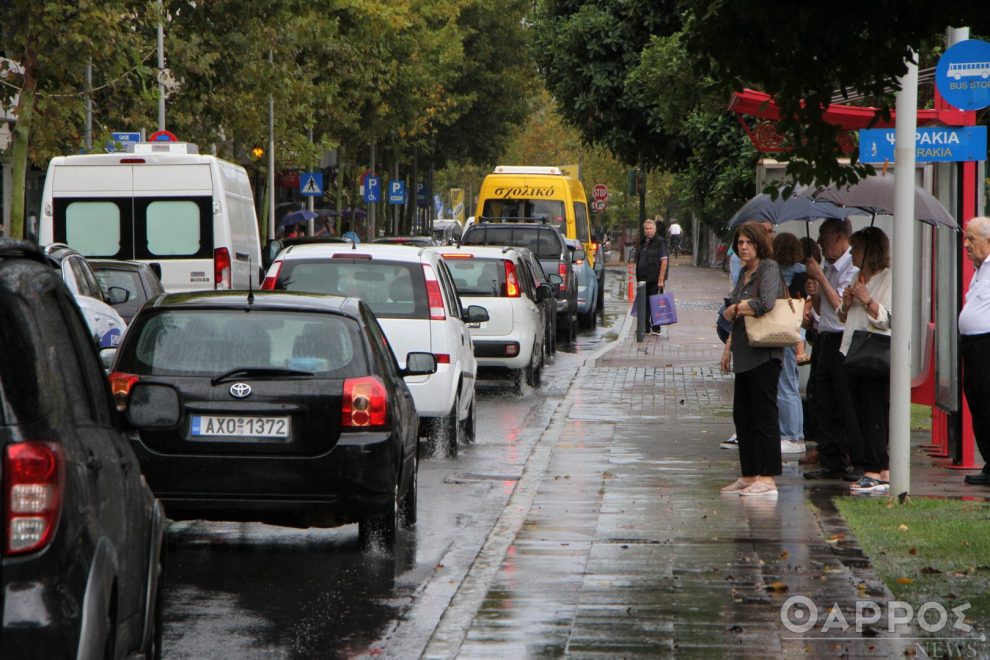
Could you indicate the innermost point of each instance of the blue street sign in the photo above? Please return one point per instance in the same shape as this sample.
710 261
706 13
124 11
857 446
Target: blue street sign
933 144
373 189
311 184
422 195
120 141
962 75
396 192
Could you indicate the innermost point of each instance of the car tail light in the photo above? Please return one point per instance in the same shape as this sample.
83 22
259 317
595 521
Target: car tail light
120 387
562 271
221 268
442 358
32 493
272 276
433 295
365 402
456 255
511 289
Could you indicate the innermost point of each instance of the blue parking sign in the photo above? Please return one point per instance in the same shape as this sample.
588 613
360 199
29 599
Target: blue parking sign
397 192
373 189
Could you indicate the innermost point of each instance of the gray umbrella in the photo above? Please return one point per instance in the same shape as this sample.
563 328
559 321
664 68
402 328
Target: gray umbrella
875 195
797 207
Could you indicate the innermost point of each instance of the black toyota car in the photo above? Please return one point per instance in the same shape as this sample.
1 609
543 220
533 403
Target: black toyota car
283 408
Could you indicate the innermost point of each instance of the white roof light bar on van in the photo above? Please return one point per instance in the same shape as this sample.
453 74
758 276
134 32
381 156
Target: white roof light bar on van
526 169
162 148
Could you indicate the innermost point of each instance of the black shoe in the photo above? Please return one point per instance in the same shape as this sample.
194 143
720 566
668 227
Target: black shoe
981 479
852 474
824 473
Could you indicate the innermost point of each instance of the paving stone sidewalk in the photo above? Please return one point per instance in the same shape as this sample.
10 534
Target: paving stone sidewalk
627 547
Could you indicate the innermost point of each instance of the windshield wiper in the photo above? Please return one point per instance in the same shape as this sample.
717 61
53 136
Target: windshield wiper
259 372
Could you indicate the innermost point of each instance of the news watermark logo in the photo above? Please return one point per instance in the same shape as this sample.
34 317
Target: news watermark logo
947 628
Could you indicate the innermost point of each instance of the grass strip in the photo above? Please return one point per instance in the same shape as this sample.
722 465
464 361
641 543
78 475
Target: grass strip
928 550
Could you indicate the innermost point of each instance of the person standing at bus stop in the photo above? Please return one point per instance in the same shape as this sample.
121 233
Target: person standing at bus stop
651 263
974 341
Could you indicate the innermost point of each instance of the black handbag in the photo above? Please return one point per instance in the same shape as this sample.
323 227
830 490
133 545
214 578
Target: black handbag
868 355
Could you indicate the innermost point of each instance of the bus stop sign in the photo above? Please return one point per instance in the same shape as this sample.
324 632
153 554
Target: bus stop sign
963 75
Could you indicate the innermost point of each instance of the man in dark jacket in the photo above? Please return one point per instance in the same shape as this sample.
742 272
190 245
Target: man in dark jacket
651 263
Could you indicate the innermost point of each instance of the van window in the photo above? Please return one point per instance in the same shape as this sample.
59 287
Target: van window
173 228
581 220
93 228
551 210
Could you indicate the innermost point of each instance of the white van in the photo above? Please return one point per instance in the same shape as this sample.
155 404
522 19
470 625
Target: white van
161 203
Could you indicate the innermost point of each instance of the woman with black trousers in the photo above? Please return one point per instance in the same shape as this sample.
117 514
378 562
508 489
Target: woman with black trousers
754 405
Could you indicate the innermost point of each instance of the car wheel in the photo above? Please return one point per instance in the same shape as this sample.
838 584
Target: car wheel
517 380
154 650
450 432
470 426
534 374
600 303
381 530
409 500
587 321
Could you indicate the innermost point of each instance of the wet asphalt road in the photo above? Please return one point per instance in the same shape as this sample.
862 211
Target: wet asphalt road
246 590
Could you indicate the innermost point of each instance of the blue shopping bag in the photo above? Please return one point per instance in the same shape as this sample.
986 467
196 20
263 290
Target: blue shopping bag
662 309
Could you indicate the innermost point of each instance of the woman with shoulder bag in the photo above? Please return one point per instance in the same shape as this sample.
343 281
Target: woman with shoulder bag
757 370
866 307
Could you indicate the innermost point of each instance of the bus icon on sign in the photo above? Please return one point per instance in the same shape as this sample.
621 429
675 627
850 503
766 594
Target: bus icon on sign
958 70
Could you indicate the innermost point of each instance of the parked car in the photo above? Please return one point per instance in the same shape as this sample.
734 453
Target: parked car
446 232
418 241
546 242
106 325
138 278
82 541
548 306
512 338
587 286
281 408
413 295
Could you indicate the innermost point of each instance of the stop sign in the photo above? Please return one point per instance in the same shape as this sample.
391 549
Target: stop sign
600 192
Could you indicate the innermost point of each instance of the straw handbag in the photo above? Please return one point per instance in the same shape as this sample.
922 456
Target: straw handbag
779 327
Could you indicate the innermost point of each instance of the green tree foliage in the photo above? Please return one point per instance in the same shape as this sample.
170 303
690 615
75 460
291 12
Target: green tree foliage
804 53
586 51
50 44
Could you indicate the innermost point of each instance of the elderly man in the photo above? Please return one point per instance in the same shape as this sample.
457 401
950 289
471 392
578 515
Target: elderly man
651 263
840 446
974 341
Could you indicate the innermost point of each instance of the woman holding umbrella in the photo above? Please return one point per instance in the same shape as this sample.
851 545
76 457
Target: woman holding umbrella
757 370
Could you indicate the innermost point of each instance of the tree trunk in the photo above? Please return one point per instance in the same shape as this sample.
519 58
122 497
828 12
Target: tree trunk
19 148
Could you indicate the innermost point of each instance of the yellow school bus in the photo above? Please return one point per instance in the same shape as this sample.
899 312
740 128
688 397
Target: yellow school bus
524 193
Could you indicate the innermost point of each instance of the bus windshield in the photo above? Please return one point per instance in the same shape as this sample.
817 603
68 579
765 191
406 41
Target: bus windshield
527 209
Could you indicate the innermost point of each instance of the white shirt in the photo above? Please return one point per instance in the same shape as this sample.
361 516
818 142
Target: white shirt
974 319
675 229
879 288
839 274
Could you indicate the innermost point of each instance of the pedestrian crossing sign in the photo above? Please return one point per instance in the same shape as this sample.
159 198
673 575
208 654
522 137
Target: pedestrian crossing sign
311 184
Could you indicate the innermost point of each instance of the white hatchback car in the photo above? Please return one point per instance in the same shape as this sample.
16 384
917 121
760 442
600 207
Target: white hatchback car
105 323
412 294
499 278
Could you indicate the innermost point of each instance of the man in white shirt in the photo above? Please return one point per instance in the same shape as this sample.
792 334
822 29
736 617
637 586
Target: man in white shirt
840 446
674 232
974 341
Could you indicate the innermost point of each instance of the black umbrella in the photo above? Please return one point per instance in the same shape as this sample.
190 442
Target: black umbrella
875 195
762 208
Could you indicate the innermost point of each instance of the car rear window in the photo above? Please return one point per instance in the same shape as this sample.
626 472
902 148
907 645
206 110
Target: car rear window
478 277
125 279
209 342
392 289
541 241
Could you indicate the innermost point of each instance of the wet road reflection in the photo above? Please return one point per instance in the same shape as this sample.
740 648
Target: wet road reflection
237 590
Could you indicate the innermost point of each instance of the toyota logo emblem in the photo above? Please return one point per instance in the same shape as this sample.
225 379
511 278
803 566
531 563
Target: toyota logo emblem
240 390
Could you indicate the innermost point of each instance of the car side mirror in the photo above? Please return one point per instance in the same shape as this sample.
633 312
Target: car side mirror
118 295
106 357
579 256
420 364
544 291
153 406
475 314
555 279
